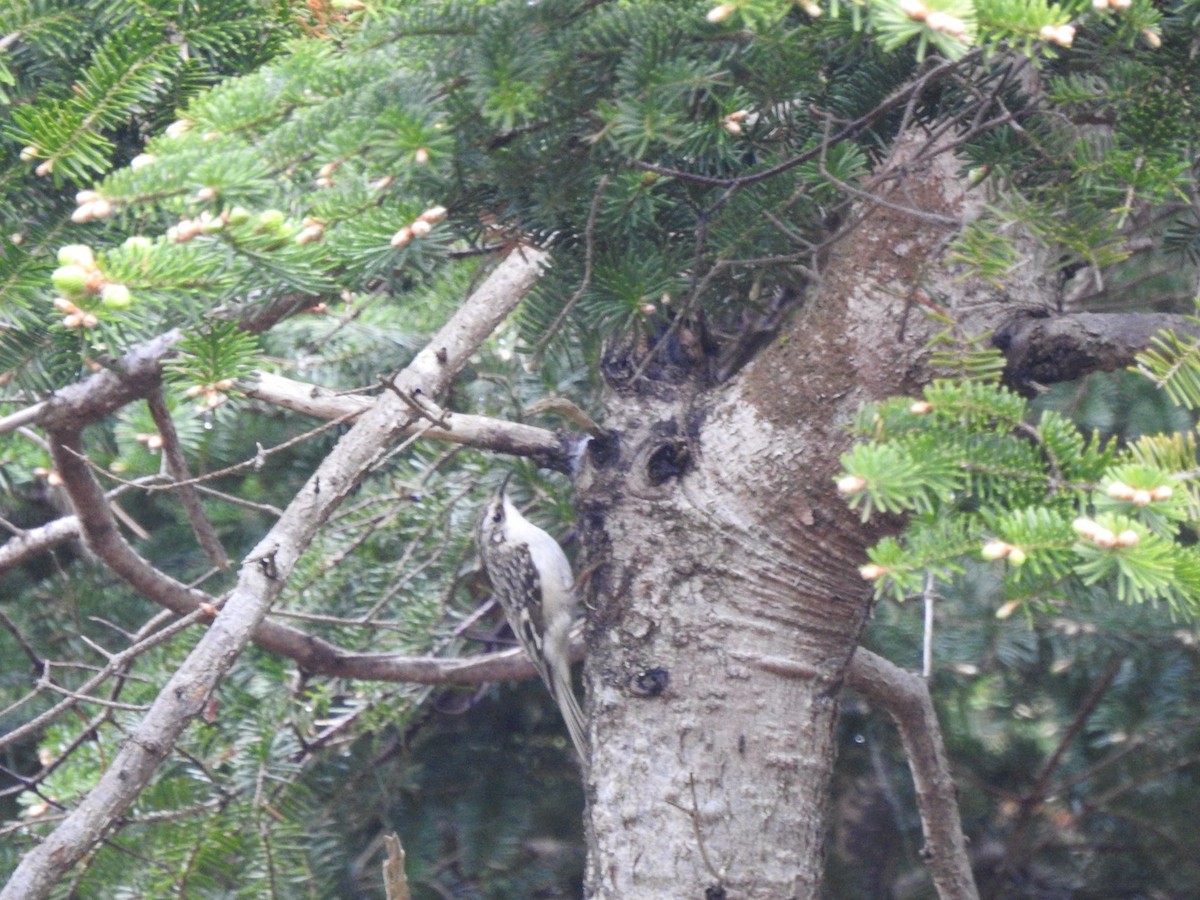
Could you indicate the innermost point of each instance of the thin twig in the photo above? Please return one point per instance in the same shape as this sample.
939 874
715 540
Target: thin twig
927 639
589 263
206 535
693 814
118 660
898 98
21 642
1033 798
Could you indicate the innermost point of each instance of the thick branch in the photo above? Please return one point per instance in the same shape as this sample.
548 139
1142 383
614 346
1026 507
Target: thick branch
90 400
905 696
263 575
549 449
134 376
311 654
1062 348
30 543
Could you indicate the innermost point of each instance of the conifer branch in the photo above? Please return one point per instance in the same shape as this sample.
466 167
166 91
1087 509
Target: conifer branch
897 99
589 263
311 654
133 377
1041 789
905 697
262 577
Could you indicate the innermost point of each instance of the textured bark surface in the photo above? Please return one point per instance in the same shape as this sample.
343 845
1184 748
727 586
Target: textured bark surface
716 658
1047 350
725 592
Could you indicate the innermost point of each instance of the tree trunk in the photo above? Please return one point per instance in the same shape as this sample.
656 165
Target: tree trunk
725 595
718 641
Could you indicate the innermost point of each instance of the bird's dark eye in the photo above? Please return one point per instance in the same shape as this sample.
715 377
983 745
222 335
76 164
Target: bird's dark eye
497 516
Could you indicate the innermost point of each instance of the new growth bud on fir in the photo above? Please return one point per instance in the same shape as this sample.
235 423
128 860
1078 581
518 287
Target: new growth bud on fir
946 24
311 232
720 13
851 484
270 221
1063 35
733 122
91 206
1118 490
1128 538
70 280
994 550
116 296
1094 532
76 255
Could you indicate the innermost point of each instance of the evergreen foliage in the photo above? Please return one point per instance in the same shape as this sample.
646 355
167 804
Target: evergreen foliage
1061 511
190 167
1011 509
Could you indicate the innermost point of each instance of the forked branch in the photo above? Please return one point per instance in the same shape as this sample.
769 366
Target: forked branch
263 575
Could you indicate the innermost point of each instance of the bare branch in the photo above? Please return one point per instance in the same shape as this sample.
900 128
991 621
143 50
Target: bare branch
102 394
27 648
508 665
103 537
395 881
263 574
21 417
114 664
905 696
548 448
33 541
310 653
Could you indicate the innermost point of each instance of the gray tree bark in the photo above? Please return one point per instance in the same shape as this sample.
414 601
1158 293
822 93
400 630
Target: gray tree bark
726 602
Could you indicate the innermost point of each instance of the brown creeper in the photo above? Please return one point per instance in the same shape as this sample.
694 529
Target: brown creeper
532 579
